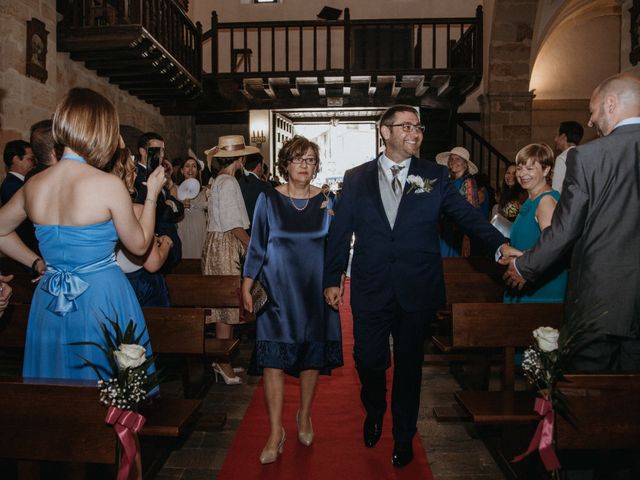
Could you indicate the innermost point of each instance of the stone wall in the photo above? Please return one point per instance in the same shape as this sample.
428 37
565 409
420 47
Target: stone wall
547 115
25 100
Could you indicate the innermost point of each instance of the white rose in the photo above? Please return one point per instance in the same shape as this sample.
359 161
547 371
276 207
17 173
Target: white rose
415 180
547 338
130 355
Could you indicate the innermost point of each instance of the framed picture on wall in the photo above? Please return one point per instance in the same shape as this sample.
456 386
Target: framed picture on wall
37 50
634 54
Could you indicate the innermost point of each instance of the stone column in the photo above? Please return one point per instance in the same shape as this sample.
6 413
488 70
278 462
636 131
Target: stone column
506 107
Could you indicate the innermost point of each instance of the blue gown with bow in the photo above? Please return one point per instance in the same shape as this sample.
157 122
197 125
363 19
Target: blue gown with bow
82 288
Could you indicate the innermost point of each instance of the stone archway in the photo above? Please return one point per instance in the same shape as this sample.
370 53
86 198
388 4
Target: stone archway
506 107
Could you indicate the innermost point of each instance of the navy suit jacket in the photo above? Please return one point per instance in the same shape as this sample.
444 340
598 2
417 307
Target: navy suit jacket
25 230
251 188
10 186
403 263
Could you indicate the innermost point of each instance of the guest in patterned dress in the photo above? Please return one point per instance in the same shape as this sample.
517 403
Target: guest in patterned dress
227 240
453 243
296 333
511 195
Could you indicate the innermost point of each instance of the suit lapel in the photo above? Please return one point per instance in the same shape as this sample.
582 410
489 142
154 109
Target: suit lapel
373 186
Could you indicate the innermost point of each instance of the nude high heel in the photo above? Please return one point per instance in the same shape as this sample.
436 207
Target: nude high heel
217 370
305 438
270 455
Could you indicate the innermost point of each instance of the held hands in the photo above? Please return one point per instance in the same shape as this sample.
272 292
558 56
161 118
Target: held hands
507 252
333 296
512 277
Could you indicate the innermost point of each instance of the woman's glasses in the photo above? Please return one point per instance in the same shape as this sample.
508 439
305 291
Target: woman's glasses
307 160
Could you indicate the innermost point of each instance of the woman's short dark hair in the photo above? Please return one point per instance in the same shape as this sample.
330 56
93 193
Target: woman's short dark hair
296 147
538 153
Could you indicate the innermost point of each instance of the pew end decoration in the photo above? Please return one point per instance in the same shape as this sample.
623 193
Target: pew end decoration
127 387
545 362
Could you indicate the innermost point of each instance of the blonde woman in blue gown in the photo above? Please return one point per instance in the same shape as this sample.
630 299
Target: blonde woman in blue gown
79 212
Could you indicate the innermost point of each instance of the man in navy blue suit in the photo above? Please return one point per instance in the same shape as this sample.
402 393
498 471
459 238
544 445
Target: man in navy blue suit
18 160
392 204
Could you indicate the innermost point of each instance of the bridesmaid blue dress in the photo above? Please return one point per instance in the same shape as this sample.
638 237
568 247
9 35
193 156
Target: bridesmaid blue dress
551 286
297 330
82 288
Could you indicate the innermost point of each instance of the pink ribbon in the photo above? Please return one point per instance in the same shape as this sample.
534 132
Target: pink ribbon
125 423
543 438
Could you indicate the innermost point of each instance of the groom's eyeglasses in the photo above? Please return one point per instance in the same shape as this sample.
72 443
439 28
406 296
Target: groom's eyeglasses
307 160
408 127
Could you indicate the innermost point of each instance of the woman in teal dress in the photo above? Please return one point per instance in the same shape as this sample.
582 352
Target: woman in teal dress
533 166
79 213
297 333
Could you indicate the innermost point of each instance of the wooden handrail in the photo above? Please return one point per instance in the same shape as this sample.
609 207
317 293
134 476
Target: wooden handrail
487 158
460 55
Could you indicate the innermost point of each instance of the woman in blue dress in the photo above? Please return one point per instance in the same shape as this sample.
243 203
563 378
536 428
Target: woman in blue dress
533 166
296 333
79 213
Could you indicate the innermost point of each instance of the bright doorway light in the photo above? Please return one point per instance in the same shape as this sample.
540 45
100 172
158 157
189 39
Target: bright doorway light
343 146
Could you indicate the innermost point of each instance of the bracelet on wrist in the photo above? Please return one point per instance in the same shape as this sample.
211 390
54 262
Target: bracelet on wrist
150 200
33 265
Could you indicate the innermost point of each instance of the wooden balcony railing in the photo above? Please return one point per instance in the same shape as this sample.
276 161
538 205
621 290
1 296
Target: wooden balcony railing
346 47
164 20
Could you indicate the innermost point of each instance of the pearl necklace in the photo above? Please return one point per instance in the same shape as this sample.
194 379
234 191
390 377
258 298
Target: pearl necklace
293 203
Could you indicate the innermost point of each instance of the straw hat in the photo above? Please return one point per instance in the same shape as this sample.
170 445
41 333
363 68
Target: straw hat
231 146
443 158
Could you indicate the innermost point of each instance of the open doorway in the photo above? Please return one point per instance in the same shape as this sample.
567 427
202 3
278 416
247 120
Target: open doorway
347 138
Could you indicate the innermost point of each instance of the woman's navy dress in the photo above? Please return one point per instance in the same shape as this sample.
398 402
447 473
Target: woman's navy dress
297 330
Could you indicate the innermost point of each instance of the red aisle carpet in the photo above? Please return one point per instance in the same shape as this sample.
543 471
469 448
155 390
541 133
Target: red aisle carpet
338 451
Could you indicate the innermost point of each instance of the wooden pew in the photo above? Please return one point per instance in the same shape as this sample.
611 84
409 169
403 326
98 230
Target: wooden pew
188 265
178 331
450 264
498 326
63 421
604 406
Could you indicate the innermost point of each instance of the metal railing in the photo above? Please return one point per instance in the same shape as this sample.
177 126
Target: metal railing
348 47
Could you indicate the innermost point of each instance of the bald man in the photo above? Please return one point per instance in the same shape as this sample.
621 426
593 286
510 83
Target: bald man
599 216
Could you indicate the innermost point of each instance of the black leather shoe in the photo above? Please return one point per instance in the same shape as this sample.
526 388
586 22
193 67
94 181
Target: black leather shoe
402 454
372 430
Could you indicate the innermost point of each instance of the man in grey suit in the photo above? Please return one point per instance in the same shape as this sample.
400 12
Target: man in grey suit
599 215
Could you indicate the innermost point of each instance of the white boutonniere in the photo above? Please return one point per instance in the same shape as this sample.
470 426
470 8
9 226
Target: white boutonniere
419 184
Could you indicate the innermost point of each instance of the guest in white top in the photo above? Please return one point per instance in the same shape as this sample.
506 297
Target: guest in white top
192 229
569 135
227 240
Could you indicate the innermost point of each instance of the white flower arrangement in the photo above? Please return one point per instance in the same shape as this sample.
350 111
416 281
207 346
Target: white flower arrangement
419 184
129 383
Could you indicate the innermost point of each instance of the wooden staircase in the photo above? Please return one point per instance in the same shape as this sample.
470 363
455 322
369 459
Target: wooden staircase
150 49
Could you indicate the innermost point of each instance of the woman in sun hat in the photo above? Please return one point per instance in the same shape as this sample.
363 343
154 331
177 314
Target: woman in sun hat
453 243
227 239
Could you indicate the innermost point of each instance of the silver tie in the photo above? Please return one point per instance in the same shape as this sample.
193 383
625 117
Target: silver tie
395 181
